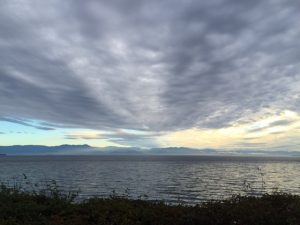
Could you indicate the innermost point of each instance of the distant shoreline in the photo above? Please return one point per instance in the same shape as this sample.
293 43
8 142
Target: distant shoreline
83 150
158 156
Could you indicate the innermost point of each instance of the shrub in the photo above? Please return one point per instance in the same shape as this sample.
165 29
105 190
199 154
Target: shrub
53 207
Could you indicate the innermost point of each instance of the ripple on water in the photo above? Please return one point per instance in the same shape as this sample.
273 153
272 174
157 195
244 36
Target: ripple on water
187 179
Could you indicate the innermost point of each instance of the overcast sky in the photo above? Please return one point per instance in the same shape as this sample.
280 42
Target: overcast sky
210 73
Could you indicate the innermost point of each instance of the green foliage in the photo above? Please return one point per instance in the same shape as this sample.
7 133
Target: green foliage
52 207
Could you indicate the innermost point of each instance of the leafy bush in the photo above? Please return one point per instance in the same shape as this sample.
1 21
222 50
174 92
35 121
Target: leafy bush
53 207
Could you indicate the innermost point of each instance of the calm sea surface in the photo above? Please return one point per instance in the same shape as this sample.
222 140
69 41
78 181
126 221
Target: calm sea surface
188 179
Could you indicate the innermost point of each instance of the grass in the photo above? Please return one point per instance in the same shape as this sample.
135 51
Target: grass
53 207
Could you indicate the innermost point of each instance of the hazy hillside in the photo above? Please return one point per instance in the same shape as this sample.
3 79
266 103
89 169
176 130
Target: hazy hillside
89 150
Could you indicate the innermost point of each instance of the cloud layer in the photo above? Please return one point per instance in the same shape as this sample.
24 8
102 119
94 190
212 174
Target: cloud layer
148 65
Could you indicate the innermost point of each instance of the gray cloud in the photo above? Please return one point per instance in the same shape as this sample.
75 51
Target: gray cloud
130 139
248 144
273 124
277 132
120 137
85 137
26 124
251 138
257 129
139 65
281 123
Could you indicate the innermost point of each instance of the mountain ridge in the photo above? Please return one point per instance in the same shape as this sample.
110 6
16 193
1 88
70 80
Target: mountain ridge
85 149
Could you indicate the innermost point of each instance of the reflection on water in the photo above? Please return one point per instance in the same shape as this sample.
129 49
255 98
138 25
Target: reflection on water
172 178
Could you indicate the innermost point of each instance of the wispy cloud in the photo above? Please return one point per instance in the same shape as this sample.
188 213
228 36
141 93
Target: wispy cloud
128 138
27 124
277 123
85 135
251 144
281 123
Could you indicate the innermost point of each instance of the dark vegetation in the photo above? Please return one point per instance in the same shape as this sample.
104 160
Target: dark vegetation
51 206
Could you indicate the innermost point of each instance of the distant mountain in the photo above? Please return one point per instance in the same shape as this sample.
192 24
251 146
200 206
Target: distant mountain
112 150
45 150
180 151
89 150
268 153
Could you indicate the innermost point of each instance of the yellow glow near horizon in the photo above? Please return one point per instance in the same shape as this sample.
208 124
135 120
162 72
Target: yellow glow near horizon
196 138
259 132
262 130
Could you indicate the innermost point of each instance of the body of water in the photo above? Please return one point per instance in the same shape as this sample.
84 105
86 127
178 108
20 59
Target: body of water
188 179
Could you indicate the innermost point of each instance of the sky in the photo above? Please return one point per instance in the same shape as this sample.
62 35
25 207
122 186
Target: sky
222 74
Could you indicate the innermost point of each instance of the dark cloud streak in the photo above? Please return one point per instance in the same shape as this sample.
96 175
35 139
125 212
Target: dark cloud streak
26 124
273 124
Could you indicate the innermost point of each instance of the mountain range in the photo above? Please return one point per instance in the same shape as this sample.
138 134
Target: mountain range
89 150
